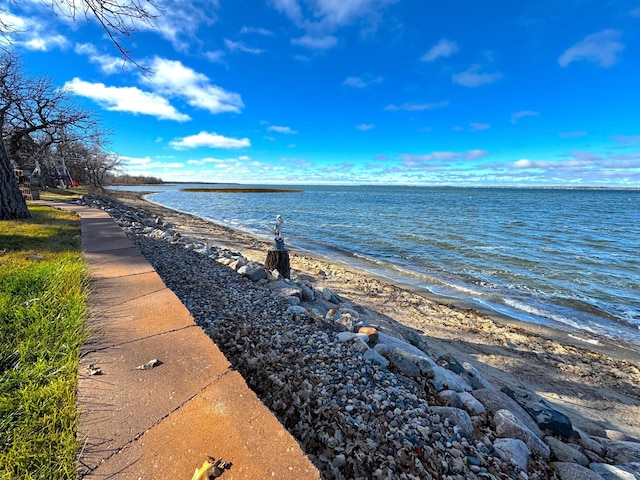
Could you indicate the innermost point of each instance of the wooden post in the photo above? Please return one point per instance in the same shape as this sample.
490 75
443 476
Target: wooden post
278 260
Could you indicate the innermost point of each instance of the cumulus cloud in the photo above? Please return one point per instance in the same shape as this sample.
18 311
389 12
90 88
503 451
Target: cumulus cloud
444 48
281 129
210 140
320 19
415 107
524 113
172 78
473 77
126 99
602 48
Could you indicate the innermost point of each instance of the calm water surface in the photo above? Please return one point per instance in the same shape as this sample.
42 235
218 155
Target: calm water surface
562 258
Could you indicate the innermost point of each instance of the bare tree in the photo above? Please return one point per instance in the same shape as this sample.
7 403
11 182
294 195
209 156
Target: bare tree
118 18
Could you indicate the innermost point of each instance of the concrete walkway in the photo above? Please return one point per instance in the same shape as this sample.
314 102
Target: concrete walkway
163 422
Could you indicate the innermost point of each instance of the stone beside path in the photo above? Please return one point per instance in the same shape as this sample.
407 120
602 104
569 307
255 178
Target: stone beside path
165 420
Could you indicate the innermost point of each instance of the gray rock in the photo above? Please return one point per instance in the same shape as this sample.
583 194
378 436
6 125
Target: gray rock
287 292
450 363
471 404
513 450
547 417
573 471
621 451
586 442
308 295
253 274
494 400
456 416
508 426
345 336
563 452
403 364
297 310
451 398
359 346
417 340
613 472
326 294
444 379
475 378
374 357
394 342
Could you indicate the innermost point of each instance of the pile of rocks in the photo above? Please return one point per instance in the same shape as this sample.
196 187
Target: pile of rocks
363 403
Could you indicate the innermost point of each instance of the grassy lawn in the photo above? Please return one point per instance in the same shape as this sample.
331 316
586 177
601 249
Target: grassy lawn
43 286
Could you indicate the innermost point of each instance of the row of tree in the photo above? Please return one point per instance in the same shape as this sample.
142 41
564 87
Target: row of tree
42 128
45 132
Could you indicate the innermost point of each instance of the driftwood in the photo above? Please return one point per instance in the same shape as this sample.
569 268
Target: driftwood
278 260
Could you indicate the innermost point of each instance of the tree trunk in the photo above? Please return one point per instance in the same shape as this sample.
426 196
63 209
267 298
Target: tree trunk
278 260
12 204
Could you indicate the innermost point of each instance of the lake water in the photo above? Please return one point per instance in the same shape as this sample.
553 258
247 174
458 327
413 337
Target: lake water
563 258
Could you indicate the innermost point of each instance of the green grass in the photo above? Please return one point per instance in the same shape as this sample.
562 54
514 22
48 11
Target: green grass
42 315
61 194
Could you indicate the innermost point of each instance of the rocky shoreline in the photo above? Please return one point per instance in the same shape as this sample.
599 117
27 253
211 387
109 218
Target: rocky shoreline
368 397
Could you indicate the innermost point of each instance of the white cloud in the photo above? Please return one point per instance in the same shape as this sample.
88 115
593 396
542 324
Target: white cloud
478 127
415 107
216 56
320 19
362 82
259 31
126 99
179 21
524 113
108 63
472 77
444 48
365 126
240 47
279 129
439 158
323 42
475 154
210 140
602 48
172 78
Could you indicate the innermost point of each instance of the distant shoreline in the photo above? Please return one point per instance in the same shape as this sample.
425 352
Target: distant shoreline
241 188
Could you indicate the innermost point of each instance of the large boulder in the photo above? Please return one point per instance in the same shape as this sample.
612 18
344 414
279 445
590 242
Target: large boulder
508 426
548 418
615 472
494 400
456 417
513 450
566 453
573 471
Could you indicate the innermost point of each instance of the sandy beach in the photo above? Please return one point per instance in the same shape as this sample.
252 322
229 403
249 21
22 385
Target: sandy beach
597 386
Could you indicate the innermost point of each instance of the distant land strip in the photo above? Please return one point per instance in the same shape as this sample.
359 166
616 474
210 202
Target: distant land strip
242 190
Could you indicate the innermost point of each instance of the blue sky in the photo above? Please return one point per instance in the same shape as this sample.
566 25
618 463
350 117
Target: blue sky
360 91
